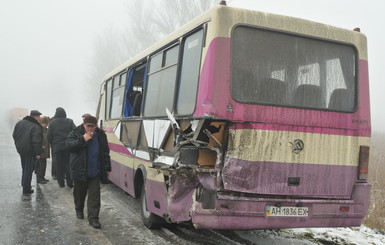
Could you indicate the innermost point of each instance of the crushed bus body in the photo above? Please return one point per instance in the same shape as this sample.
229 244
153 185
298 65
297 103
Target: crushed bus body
243 120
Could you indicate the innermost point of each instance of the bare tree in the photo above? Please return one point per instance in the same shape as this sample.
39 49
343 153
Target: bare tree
109 52
172 14
148 22
141 32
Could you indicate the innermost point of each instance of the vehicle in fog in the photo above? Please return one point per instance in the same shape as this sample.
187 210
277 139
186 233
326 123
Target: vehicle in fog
16 114
243 120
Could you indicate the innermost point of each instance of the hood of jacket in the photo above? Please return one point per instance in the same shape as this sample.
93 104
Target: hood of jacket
60 113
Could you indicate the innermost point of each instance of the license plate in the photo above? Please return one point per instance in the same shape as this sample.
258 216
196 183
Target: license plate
287 211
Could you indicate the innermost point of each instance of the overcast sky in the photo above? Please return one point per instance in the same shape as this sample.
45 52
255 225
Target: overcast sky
46 49
46 46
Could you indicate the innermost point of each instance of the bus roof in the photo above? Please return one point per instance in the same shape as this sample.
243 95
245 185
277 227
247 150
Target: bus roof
224 18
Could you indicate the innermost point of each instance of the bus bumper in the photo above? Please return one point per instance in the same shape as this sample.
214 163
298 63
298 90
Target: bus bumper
242 213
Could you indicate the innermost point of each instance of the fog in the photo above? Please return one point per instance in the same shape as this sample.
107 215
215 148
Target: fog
46 50
47 47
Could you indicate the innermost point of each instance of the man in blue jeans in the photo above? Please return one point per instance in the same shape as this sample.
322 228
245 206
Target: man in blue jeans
28 137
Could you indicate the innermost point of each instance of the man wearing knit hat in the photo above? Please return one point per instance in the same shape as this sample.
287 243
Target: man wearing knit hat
85 115
89 164
28 136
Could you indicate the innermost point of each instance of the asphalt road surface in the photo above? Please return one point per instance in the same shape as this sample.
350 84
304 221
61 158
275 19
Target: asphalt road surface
48 215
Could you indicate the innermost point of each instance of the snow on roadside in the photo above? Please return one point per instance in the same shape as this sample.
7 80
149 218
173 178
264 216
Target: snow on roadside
355 235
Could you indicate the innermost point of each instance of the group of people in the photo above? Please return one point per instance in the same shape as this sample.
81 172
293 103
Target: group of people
80 157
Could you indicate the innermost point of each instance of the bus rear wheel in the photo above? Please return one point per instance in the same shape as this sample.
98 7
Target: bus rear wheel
150 220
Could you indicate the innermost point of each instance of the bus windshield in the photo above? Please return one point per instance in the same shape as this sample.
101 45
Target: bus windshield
281 69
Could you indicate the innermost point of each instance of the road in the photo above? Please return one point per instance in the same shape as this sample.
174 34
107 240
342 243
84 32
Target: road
48 215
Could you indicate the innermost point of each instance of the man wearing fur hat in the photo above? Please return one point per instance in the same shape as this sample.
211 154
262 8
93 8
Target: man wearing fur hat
57 133
89 164
28 136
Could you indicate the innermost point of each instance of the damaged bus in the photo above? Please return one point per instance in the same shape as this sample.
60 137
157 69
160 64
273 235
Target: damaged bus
243 120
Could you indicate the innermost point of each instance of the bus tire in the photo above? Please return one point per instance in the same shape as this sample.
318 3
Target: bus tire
150 220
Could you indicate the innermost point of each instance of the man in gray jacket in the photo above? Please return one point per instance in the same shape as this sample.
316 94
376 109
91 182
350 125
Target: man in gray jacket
28 136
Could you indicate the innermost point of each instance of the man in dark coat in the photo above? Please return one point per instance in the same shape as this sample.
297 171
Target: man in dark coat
45 153
28 136
57 133
89 164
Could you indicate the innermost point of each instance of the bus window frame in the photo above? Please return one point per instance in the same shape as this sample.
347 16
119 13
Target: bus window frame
202 28
356 68
145 87
143 63
108 108
108 98
181 42
117 88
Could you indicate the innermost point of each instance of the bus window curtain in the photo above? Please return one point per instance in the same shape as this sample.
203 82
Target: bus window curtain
127 102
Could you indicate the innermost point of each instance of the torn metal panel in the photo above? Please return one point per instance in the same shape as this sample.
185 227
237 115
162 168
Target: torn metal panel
200 147
148 126
181 181
188 185
182 184
207 180
142 137
207 157
117 130
168 143
142 154
160 130
130 133
192 142
165 160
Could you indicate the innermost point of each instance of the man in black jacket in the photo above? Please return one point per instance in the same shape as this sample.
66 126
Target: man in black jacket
57 133
28 136
89 164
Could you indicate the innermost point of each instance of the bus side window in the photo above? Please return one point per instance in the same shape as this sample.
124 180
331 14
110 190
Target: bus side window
161 83
134 91
108 98
117 96
190 70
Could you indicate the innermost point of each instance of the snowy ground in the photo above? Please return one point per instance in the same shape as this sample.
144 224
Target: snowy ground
360 235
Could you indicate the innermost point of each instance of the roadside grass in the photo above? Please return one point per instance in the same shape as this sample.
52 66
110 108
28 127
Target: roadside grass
376 215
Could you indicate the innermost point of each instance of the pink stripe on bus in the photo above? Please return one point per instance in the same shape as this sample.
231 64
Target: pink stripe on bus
109 130
119 148
214 100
